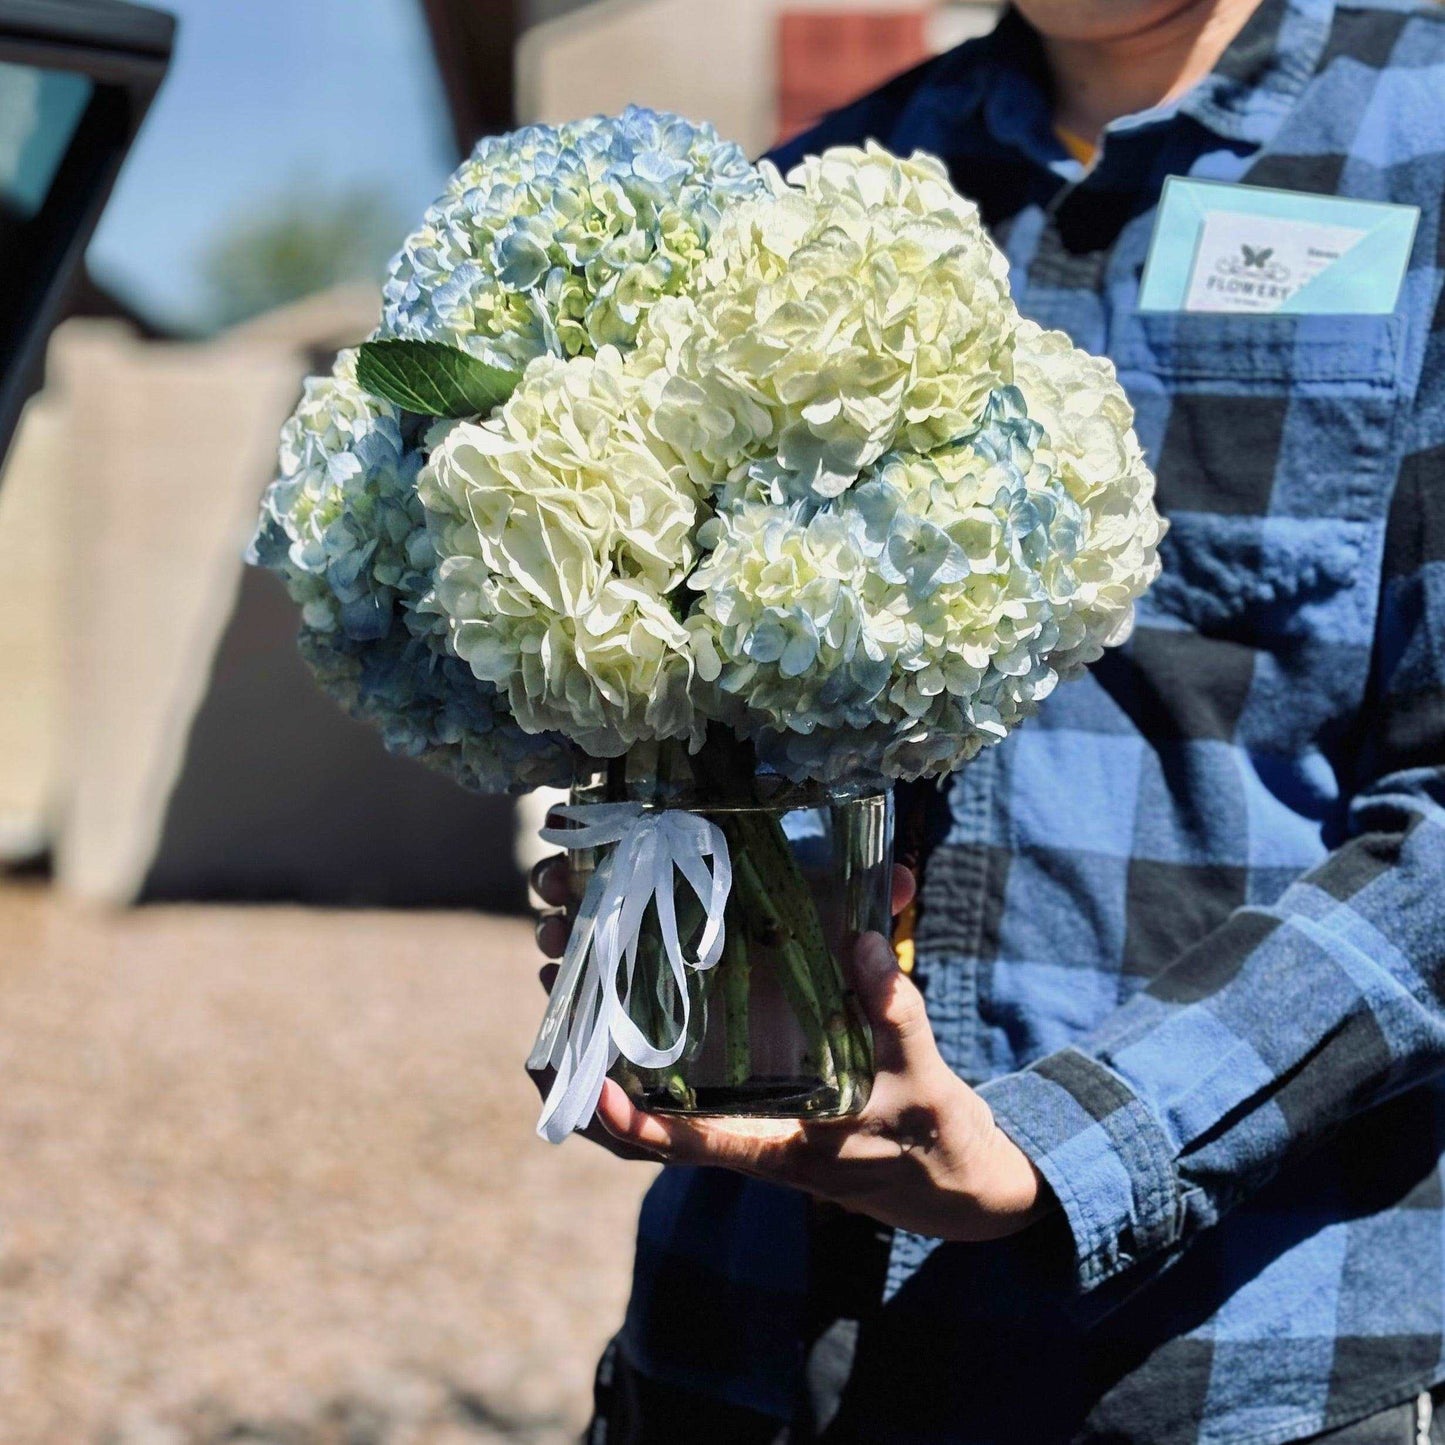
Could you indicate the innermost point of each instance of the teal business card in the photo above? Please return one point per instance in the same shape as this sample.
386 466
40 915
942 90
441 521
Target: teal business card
1249 249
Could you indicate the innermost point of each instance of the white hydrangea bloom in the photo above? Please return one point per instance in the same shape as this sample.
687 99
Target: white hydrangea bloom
562 524
912 621
873 177
559 238
1089 426
829 328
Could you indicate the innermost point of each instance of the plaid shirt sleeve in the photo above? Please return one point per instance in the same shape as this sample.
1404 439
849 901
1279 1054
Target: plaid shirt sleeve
1287 1020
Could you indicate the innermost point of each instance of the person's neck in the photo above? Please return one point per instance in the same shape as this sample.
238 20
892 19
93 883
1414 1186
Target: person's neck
1097 81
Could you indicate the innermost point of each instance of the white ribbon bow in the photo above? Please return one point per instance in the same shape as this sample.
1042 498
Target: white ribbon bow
588 1022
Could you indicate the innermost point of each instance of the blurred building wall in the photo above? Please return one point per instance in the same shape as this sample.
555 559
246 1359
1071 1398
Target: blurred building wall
31 634
717 60
164 445
160 736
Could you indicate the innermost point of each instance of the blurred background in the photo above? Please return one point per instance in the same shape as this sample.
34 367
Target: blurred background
269 1172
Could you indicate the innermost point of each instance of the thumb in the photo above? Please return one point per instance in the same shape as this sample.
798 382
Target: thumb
902 1036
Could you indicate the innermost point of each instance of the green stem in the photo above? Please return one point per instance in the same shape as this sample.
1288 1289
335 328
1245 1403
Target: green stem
770 928
783 907
736 966
670 1080
805 951
617 780
855 841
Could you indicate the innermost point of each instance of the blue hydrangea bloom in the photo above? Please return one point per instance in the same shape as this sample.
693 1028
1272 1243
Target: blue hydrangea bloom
561 238
342 523
429 707
344 528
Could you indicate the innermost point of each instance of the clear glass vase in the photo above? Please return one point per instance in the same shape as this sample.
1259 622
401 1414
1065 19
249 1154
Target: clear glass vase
774 1028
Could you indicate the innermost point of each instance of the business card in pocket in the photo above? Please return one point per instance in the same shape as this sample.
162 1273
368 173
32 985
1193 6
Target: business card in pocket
1249 249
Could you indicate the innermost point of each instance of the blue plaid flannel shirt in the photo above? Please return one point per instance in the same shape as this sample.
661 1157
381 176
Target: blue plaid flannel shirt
1186 930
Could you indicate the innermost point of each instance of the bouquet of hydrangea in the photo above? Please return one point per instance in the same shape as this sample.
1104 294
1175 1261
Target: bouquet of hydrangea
728 499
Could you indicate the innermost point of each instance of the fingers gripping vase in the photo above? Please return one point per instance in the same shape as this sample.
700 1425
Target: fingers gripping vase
773 1027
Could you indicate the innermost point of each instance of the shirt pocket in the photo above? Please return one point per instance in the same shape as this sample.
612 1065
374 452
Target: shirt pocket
1271 437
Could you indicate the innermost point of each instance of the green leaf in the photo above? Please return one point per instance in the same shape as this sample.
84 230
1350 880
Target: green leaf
432 378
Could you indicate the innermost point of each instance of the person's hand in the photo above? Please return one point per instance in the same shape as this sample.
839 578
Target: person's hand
924 1154
551 882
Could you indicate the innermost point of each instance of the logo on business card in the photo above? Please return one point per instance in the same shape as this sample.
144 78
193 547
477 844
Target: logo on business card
1256 267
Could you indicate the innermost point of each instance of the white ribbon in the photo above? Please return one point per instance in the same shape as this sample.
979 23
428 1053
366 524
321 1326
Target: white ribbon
588 1022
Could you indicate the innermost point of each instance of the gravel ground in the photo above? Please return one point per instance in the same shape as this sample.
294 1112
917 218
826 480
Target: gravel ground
270 1176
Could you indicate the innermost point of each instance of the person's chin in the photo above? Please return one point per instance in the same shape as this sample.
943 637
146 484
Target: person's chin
1097 20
